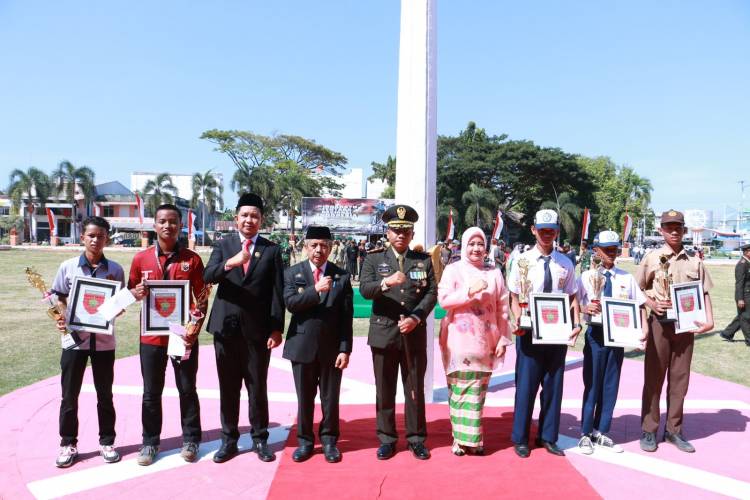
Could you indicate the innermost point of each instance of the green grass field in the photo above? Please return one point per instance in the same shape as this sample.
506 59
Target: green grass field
30 345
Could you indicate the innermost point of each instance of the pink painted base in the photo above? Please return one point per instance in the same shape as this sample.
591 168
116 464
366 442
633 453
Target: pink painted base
28 431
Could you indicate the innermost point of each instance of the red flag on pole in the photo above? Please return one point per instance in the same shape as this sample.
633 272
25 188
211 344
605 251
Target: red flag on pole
585 225
498 229
451 229
52 222
139 205
627 226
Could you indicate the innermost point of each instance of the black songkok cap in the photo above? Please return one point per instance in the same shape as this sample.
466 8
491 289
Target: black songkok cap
318 233
250 200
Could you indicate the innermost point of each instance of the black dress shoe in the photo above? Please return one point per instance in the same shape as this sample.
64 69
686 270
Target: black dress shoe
386 451
302 453
332 453
550 447
522 450
726 337
261 448
419 450
226 452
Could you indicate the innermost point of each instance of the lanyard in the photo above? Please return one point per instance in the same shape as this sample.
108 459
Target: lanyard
164 271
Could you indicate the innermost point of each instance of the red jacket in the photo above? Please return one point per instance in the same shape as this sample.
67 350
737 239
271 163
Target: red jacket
184 264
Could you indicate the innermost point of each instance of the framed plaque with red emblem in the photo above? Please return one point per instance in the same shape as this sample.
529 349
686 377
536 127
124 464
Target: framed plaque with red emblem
87 294
550 318
168 301
621 323
689 305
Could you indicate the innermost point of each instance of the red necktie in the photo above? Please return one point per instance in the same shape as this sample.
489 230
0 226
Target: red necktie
246 247
316 275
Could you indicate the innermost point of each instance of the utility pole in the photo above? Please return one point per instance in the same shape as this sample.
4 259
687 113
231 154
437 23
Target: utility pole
740 212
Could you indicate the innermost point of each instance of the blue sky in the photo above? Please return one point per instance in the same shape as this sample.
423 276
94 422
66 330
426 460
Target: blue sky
658 86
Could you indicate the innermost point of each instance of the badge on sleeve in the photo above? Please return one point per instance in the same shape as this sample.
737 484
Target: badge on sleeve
561 281
300 290
185 267
384 269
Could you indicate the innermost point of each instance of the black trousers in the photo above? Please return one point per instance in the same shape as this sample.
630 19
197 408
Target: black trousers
307 378
741 321
386 363
153 368
238 360
72 367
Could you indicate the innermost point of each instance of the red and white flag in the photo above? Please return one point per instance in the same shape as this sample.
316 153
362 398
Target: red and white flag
191 225
585 225
139 205
52 219
498 229
627 226
97 210
451 228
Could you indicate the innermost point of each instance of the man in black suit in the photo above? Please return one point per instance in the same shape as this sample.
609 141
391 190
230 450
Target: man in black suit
247 319
741 297
402 286
319 340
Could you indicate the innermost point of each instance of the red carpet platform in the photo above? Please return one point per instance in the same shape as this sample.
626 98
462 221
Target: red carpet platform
498 474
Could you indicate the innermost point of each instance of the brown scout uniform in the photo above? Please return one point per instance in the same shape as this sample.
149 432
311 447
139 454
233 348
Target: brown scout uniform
667 353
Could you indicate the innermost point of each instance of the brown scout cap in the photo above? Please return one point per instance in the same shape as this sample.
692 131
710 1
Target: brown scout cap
672 216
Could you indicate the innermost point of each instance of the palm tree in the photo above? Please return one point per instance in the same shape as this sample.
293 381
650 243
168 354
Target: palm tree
480 203
208 190
159 190
24 185
294 183
66 178
568 212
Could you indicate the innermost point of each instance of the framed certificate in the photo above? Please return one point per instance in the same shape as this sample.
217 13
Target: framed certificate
621 322
167 302
689 306
550 318
87 294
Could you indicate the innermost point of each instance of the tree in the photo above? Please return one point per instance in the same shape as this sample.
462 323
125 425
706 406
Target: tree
480 203
263 161
568 212
66 178
209 191
24 185
519 173
158 191
619 190
295 183
386 172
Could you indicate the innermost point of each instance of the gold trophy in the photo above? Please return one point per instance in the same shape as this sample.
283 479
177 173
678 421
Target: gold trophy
55 309
524 289
663 281
195 322
596 280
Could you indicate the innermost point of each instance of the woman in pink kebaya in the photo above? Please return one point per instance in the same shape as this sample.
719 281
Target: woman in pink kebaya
473 336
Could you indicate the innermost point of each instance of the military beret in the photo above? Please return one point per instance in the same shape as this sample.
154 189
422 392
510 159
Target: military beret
318 233
400 216
250 200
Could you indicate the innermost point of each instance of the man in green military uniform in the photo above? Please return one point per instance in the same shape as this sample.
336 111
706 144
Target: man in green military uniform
402 286
741 297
